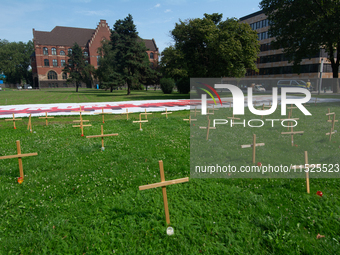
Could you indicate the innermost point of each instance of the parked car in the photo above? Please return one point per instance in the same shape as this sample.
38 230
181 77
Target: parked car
27 86
19 87
259 88
0 88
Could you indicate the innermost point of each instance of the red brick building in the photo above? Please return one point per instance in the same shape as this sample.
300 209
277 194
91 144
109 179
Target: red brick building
51 50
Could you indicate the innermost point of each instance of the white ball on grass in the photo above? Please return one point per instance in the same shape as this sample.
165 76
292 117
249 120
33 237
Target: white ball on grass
170 231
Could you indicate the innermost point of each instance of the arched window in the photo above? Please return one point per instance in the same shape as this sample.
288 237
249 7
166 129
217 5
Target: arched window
64 76
54 51
69 51
151 55
45 51
62 53
52 75
55 62
46 62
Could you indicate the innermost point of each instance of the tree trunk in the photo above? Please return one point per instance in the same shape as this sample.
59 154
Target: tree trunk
128 88
77 85
111 88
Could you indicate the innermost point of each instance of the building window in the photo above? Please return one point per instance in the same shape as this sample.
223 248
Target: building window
98 60
64 76
46 62
69 51
55 62
62 62
86 54
54 51
62 53
151 55
45 51
86 62
52 75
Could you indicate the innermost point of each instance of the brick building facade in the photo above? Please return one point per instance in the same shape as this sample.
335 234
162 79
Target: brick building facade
51 50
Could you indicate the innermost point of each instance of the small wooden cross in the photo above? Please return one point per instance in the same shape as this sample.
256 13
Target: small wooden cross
329 116
46 118
195 110
19 156
292 133
163 184
268 106
146 114
254 145
306 166
29 126
262 108
291 110
316 99
81 121
127 114
140 121
102 113
208 128
213 109
102 136
190 119
14 119
289 117
166 112
233 118
332 128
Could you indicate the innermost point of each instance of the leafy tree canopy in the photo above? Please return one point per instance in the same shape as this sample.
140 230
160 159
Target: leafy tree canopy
15 61
79 71
210 47
302 27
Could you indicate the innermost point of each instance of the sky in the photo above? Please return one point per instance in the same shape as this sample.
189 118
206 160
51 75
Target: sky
153 19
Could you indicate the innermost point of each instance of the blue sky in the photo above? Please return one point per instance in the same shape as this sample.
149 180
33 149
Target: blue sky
154 19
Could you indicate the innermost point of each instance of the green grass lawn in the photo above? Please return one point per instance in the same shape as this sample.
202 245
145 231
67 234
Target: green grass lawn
77 199
69 95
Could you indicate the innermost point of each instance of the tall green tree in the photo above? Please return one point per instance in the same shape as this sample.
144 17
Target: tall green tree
15 61
210 47
79 71
131 64
302 27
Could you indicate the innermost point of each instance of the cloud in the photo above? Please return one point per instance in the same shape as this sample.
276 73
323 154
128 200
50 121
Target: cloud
167 10
157 5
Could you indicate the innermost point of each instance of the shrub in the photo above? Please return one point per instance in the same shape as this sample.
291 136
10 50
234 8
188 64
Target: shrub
167 85
183 85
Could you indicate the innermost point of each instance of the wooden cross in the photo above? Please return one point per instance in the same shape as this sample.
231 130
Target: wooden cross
262 108
146 114
233 118
291 110
46 118
29 126
268 106
14 119
329 116
195 110
140 121
166 112
127 114
19 156
332 128
208 128
163 184
81 121
102 136
289 117
102 113
306 166
213 109
254 145
316 99
190 119
292 133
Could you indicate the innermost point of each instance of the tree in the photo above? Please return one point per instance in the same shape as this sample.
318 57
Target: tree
128 55
77 67
302 27
15 61
210 47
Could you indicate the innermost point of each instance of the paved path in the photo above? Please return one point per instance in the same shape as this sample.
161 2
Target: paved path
120 107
